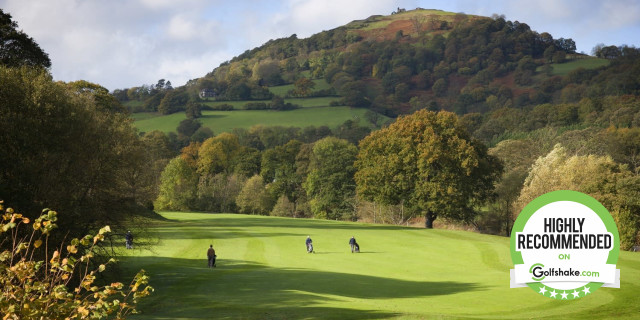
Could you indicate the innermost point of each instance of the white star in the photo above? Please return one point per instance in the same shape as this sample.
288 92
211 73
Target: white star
586 290
576 294
553 293
564 294
542 290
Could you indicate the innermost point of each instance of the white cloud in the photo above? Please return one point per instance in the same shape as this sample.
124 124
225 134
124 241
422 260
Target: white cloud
619 14
182 28
171 4
312 16
123 44
126 43
191 68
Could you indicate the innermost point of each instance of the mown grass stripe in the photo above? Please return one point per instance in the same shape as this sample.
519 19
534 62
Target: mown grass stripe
403 273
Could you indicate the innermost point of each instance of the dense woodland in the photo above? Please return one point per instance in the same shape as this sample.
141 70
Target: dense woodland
484 123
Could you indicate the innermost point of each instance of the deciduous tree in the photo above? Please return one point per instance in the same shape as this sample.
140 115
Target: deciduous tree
17 48
599 176
217 154
70 147
303 87
430 162
254 197
280 170
330 185
178 186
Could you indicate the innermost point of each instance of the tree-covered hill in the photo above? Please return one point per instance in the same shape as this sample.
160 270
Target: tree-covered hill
518 91
407 61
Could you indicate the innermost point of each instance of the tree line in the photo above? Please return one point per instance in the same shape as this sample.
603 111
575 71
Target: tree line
427 164
427 161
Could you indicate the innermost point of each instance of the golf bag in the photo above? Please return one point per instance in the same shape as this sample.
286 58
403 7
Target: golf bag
212 261
357 247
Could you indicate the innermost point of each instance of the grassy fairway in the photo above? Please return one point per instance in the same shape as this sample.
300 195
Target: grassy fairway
225 121
264 273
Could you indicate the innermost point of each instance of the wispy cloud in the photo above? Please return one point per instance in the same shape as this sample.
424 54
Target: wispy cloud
124 43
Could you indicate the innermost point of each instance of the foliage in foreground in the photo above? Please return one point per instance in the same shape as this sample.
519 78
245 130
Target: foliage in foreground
62 284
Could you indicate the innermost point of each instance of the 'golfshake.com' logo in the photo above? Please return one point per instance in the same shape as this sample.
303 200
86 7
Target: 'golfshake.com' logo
565 245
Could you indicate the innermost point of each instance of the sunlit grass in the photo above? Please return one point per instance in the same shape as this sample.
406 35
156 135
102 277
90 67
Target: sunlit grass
264 272
226 121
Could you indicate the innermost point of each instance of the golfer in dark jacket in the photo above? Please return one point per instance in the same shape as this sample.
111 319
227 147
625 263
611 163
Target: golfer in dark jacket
128 237
211 255
309 244
352 243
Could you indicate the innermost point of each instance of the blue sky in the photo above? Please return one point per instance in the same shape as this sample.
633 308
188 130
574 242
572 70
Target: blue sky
125 43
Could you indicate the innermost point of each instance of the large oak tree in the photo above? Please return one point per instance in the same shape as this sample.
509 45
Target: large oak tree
428 161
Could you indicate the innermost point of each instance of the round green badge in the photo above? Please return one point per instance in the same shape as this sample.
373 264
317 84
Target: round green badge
565 245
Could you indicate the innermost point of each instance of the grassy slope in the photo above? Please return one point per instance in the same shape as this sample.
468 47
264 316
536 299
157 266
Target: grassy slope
302 102
144 115
384 21
225 121
263 272
562 69
588 63
284 89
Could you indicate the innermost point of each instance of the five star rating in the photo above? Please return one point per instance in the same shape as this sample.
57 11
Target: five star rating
564 294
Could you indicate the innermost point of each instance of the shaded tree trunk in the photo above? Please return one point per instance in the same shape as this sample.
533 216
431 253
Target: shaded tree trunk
429 218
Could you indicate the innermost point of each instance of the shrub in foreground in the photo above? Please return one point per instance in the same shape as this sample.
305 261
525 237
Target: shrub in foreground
62 284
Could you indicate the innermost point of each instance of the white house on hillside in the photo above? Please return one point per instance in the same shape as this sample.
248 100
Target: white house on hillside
207 93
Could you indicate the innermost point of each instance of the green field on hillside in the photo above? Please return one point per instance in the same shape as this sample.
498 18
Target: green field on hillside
144 115
225 121
312 102
283 90
561 69
239 105
302 102
264 272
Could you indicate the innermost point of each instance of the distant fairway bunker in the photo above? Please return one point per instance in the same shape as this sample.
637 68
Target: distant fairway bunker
264 272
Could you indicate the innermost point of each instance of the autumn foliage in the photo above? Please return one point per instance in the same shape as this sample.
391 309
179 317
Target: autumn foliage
428 161
38 284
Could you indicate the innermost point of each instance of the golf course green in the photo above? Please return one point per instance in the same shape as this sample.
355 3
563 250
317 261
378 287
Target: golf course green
264 272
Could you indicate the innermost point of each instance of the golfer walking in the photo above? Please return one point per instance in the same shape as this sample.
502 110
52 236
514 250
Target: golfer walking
211 255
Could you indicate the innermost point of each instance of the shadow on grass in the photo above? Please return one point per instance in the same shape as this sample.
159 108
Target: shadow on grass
220 232
231 227
186 288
